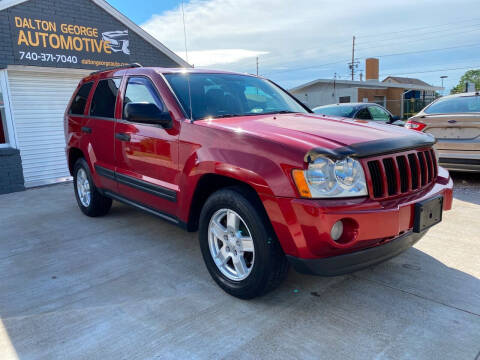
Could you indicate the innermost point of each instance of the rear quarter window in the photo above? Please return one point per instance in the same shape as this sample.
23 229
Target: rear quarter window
104 98
80 100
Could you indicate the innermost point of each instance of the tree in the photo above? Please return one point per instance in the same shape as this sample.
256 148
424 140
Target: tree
469 76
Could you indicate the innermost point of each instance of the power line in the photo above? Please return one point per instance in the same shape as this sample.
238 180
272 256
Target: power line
463 24
418 38
378 56
429 27
410 41
432 71
429 50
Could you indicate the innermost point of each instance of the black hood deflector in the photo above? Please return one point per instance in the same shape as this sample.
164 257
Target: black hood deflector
375 147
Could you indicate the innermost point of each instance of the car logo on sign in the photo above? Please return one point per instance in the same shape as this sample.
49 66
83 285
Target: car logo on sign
118 41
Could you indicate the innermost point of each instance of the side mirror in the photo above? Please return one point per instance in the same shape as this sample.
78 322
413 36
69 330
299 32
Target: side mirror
394 118
147 113
399 123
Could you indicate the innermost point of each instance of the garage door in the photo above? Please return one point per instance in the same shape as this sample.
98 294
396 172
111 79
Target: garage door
38 104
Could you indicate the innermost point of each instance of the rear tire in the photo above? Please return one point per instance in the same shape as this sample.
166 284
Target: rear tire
89 199
264 264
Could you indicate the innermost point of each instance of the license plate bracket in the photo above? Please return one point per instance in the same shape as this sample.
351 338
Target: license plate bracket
427 213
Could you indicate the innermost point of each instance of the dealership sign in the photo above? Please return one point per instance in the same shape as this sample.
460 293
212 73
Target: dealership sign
63 43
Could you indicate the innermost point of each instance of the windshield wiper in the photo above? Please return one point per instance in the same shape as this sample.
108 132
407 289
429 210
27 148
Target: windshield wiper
219 116
279 112
250 114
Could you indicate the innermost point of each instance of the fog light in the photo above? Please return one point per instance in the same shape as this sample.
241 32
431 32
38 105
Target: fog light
337 230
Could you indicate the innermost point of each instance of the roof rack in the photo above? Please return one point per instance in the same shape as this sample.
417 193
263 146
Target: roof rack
133 65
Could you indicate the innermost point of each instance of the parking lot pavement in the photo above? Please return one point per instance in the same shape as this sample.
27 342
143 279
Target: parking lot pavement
131 286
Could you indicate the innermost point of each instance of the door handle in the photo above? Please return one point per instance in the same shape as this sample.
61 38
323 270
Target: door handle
86 129
122 136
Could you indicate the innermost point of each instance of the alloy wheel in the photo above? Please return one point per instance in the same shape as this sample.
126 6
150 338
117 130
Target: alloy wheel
231 244
83 187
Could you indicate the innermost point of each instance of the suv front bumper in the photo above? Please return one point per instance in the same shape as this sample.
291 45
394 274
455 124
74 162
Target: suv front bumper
347 263
379 229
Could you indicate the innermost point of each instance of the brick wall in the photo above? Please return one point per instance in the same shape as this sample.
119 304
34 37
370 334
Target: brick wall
11 172
395 104
393 98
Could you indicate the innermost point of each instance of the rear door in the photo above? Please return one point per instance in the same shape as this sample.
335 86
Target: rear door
146 154
100 127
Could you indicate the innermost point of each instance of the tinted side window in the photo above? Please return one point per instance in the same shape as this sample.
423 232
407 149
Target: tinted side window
104 98
141 90
364 114
378 114
80 99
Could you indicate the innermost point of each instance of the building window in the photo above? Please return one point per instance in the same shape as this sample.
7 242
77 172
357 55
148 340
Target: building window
380 100
344 99
3 120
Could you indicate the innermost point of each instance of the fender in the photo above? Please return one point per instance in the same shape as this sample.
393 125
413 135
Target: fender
203 162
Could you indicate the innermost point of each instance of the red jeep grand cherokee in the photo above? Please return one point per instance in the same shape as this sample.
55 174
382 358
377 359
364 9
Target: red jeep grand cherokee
267 182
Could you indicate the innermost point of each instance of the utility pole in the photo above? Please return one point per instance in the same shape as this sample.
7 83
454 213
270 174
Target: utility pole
353 58
257 65
334 84
354 64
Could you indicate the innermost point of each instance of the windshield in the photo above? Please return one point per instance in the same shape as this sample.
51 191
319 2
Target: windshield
225 95
462 104
344 111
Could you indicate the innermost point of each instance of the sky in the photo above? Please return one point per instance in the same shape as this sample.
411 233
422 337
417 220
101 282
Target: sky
297 41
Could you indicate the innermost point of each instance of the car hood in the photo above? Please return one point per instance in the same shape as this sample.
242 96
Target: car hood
314 131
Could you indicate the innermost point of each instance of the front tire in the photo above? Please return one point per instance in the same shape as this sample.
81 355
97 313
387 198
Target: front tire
238 245
89 199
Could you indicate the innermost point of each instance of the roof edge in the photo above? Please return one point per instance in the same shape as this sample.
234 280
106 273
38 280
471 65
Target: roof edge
5 4
368 84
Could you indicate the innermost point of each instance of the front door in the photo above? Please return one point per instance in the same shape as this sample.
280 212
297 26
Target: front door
146 155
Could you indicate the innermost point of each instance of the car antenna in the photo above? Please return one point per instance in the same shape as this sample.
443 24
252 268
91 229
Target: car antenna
190 98
186 58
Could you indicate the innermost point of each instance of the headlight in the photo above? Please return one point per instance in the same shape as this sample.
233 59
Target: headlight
326 178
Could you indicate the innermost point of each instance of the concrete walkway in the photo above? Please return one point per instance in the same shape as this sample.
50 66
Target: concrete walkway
131 286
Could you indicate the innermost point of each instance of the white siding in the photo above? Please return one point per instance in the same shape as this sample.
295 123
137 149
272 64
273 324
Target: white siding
38 105
324 94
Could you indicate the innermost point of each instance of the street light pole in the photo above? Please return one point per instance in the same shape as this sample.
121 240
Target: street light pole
443 77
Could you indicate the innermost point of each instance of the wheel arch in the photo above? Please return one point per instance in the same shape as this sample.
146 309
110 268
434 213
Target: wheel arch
73 155
210 183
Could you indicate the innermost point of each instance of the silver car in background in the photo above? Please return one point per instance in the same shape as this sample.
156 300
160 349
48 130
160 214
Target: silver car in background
362 111
455 121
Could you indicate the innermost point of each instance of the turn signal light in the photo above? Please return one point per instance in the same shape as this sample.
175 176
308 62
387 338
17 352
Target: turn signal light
415 125
299 178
